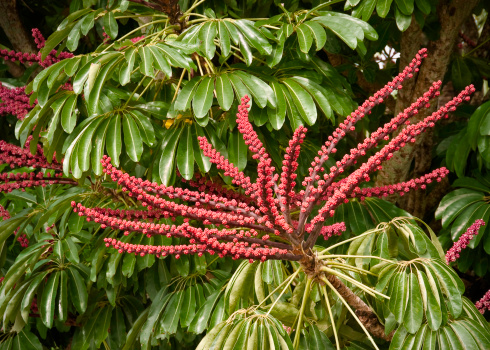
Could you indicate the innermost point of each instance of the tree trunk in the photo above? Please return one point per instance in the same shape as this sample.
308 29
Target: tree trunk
452 15
15 32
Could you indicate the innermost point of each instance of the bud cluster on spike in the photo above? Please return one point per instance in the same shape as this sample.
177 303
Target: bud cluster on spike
21 57
17 157
257 224
463 241
21 181
484 303
14 101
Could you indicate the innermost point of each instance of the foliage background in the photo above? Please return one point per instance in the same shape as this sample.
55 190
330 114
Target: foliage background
334 73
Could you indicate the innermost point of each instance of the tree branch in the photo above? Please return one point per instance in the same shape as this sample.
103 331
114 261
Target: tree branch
452 15
363 311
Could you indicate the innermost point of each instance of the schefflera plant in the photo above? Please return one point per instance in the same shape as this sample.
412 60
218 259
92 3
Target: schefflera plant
392 283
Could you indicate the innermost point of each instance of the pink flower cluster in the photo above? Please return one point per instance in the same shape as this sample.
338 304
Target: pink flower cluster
484 303
18 157
257 225
21 57
463 241
14 101
21 181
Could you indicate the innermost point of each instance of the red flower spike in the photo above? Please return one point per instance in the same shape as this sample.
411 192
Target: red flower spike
484 303
245 226
463 241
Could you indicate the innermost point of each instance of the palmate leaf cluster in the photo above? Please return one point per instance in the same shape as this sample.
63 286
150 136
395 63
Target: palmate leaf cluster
144 102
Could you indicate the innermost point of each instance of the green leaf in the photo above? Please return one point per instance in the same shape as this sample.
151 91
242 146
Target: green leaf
48 299
27 341
405 6
158 108
30 293
134 332
368 8
170 319
200 320
237 150
208 340
98 144
302 100
176 58
146 64
318 34
448 287
203 98
63 296
224 91
454 203
144 124
305 38
185 154
110 25
166 162
74 37
132 138
72 17
278 114
201 160
414 312
206 35
54 39
254 36
245 49
242 285
156 311
78 290
87 23
183 101
471 183
85 144
224 39
317 340
348 34
424 6
318 93
398 301
104 74
81 76
236 338
402 21
260 90
468 216
366 28
126 69
160 61
70 250
189 306
113 139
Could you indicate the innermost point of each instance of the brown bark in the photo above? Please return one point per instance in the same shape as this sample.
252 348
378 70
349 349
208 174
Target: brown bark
13 28
16 33
452 15
363 311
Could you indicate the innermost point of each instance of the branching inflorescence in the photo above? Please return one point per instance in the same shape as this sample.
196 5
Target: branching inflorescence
15 101
257 224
